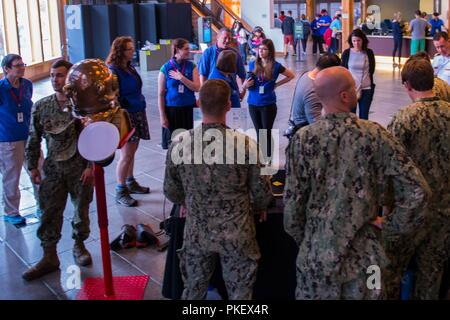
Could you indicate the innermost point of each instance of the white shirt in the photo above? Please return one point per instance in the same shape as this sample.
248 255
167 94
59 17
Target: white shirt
358 65
441 66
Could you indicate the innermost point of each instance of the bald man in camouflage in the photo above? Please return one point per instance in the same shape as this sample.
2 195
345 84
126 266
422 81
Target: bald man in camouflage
336 169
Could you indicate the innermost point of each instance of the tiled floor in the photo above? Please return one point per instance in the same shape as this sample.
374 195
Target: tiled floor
19 248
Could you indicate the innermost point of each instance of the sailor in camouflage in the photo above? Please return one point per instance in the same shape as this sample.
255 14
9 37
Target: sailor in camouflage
424 130
65 172
441 88
221 200
336 170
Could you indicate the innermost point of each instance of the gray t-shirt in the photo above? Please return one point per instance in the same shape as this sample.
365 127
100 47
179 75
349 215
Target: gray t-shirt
306 106
358 65
418 28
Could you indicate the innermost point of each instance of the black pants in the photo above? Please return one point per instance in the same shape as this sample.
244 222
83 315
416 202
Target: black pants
179 118
263 118
398 43
318 43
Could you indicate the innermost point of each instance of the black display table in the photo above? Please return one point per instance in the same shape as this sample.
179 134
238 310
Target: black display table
276 279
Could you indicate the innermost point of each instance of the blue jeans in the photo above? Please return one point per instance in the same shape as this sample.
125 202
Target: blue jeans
364 103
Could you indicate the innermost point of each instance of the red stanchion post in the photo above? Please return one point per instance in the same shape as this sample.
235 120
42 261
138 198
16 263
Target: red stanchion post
100 193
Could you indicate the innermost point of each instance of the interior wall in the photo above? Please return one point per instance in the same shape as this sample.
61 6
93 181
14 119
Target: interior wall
388 8
444 12
260 13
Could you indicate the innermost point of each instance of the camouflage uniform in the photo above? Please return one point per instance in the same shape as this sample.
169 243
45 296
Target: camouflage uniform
424 129
220 200
335 175
63 168
441 89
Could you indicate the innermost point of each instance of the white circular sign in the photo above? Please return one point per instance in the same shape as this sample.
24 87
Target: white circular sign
98 141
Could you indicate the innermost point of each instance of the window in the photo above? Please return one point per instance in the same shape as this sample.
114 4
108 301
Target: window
23 28
45 29
2 35
31 29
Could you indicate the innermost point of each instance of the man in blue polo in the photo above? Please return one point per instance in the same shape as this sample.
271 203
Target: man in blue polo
209 57
323 23
436 24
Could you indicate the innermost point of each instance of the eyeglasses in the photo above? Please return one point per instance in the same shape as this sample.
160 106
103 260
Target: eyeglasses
129 49
263 49
19 65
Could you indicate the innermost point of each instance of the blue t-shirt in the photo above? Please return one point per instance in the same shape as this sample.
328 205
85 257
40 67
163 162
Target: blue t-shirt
15 110
436 26
324 19
173 96
315 28
397 30
130 89
231 80
255 96
208 62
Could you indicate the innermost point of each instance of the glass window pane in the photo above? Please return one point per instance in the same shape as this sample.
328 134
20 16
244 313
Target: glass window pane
2 34
45 29
23 28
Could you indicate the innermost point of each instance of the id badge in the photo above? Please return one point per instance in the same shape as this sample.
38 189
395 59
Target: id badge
181 88
20 117
261 90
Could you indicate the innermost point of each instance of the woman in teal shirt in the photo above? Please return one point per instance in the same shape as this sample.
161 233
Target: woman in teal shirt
177 83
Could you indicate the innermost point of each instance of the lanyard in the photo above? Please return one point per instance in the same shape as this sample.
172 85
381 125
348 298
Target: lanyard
261 77
17 99
175 67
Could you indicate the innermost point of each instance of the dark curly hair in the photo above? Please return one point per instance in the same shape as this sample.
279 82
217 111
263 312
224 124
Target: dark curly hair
358 34
116 56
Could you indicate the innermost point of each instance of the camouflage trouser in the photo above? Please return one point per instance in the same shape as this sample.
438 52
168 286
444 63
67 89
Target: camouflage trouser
197 267
309 288
60 179
430 258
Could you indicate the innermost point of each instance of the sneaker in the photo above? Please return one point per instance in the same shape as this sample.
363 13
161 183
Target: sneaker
15 220
136 188
294 54
123 197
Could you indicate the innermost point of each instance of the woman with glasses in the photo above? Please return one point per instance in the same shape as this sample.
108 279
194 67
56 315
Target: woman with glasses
132 100
178 81
262 100
15 115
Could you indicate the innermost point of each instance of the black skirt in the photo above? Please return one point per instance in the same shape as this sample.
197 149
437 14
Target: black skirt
140 124
179 118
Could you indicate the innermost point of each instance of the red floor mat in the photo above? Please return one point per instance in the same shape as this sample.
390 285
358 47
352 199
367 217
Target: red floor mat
125 288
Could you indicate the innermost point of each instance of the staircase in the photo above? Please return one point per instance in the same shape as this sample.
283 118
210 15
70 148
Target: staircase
200 8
